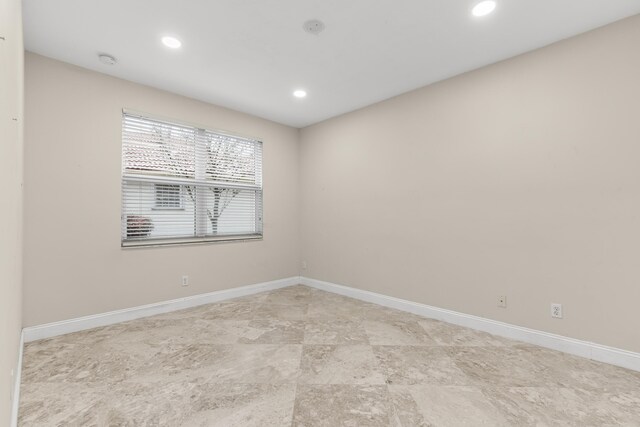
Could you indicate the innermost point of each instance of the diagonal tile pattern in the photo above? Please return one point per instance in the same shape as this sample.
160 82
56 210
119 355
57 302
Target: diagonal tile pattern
302 357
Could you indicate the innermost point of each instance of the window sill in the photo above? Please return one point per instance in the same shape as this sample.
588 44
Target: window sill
135 244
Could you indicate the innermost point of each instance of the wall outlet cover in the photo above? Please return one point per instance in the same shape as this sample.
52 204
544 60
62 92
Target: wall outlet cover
502 301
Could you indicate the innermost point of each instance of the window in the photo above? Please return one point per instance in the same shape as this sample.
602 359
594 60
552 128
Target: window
168 196
183 184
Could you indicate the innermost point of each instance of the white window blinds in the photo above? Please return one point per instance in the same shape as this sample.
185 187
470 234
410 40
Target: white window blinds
182 183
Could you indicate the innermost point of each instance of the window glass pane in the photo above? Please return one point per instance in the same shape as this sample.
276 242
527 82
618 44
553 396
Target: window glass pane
156 148
168 196
230 211
231 159
145 221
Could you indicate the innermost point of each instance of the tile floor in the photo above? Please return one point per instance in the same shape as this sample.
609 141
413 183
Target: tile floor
302 357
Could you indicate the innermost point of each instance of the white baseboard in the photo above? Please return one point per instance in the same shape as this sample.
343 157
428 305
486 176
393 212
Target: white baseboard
17 378
601 353
48 330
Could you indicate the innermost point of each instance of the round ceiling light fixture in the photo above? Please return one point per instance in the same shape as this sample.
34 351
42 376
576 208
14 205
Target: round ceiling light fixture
300 93
107 59
171 42
484 8
313 26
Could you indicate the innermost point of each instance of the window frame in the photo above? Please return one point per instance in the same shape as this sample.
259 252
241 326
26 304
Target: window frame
181 182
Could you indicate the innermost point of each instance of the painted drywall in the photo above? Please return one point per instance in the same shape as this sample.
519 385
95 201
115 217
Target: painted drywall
74 265
520 179
11 137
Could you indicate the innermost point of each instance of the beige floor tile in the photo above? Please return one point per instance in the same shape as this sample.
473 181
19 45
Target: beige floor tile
281 311
295 295
396 332
505 366
80 363
341 405
339 364
159 332
60 404
241 405
419 365
342 310
273 331
446 334
334 332
578 372
443 406
237 363
185 403
228 311
557 406
333 299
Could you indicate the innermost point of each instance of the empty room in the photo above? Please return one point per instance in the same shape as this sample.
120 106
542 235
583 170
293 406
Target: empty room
320 213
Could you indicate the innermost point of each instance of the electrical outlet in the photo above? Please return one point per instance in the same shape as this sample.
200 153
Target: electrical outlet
556 310
304 265
502 301
185 280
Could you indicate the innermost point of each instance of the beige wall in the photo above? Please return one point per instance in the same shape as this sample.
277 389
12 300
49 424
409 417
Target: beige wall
519 179
74 265
11 124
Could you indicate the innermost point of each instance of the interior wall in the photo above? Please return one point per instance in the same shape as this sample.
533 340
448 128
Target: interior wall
11 134
519 179
74 265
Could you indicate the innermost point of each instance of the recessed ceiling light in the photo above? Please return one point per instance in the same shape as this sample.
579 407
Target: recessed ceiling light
107 59
171 42
300 93
484 8
313 26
